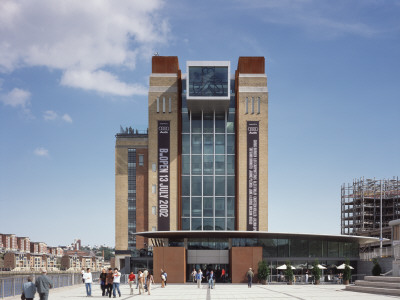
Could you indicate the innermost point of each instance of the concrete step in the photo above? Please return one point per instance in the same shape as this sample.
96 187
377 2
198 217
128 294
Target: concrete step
381 284
382 278
373 290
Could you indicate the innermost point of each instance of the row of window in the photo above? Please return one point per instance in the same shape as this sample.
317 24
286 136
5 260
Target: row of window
208 122
208 144
163 105
299 247
208 207
208 165
132 195
208 185
275 247
252 105
208 223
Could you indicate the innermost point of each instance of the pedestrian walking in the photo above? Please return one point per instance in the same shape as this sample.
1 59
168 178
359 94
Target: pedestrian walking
150 280
307 276
163 278
211 279
194 275
88 282
109 282
43 285
199 276
29 289
116 282
83 273
145 274
141 282
102 279
223 275
250 276
131 281
166 278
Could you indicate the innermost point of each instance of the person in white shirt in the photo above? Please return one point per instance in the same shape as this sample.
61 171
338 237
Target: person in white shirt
88 282
141 282
116 282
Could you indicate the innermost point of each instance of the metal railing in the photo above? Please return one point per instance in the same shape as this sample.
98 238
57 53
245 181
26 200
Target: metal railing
12 286
302 279
378 252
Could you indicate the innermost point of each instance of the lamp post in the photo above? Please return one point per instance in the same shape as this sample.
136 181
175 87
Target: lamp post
381 218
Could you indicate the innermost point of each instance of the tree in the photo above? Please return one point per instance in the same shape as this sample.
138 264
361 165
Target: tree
316 271
289 272
347 271
376 269
263 271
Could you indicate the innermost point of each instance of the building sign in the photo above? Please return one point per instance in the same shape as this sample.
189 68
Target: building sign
163 176
252 175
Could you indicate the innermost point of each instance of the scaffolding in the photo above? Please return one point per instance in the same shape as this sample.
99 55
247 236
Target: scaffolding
364 202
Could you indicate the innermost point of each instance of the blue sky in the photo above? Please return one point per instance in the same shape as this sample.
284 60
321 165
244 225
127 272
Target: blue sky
72 72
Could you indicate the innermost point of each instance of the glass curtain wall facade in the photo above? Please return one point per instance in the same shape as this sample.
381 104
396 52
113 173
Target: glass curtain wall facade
208 168
131 199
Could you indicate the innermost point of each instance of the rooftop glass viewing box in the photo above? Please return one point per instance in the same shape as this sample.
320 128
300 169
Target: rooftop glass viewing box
208 84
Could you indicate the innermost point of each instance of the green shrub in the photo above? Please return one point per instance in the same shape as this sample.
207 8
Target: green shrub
376 269
263 270
316 271
347 271
289 272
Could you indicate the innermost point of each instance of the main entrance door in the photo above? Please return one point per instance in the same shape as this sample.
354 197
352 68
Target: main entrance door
207 260
221 272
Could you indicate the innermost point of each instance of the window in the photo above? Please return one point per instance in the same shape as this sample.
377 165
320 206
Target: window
247 106
141 159
163 104
170 105
153 188
153 167
258 102
208 173
158 105
208 81
252 105
153 210
154 228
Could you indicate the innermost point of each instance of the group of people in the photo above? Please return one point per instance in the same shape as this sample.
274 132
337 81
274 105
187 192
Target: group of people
198 276
109 282
143 283
42 285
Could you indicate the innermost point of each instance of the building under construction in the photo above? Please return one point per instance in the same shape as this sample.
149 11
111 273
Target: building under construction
363 203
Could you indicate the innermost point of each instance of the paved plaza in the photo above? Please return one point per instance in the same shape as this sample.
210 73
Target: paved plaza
222 291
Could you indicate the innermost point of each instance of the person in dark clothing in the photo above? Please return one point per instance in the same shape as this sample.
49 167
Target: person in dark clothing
43 284
250 276
103 276
109 282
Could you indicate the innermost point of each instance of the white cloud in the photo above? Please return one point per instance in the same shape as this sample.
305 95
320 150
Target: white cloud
18 98
101 81
50 115
81 38
41 151
326 19
67 118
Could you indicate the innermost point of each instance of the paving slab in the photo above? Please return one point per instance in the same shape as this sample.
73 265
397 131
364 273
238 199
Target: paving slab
221 291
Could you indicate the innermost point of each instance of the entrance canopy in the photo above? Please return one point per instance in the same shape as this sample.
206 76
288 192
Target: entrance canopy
362 240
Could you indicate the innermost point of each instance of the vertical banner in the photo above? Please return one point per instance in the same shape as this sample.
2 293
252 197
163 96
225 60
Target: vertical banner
163 176
252 175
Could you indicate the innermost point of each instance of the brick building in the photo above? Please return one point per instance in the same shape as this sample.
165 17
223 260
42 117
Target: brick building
193 189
